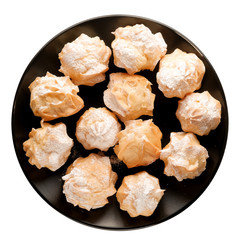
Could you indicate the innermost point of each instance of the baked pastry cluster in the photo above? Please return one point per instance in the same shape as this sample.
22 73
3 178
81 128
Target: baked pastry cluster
199 113
85 60
129 96
183 156
139 144
54 97
48 146
89 182
139 194
97 128
180 73
135 48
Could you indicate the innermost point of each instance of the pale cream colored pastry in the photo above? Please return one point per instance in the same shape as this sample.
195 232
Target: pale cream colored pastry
54 97
97 128
199 113
129 96
48 146
89 182
183 156
139 194
85 60
136 48
139 143
180 73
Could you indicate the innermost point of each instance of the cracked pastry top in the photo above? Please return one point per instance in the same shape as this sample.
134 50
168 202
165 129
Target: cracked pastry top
54 97
139 144
97 128
139 194
136 48
85 60
48 146
199 113
129 96
89 181
183 156
180 73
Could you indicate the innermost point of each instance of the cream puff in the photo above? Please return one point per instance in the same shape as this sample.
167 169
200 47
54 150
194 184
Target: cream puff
136 48
180 73
48 146
139 144
97 128
199 113
139 194
54 97
183 156
89 181
85 60
129 96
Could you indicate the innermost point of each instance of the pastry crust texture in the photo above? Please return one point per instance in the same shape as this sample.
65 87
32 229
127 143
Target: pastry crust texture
139 194
183 156
139 143
89 182
129 96
180 73
85 60
135 48
97 128
48 146
199 113
54 97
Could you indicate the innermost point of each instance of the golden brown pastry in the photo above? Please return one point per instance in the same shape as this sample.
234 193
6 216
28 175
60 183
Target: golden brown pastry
48 146
135 48
139 143
97 128
54 97
85 60
129 96
89 182
139 194
183 156
199 113
180 73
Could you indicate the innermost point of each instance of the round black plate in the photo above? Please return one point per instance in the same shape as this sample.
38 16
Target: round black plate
178 195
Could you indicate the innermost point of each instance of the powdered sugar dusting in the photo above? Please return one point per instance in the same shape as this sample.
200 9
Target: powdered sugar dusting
135 48
180 73
89 182
199 113
184 157
48 146
85 60
98 128
141 194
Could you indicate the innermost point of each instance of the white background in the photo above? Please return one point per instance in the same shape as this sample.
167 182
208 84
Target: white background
27 25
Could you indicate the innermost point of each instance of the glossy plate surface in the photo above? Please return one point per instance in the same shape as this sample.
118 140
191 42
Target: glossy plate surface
178 195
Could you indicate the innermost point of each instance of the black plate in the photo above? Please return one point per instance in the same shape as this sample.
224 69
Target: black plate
178 195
